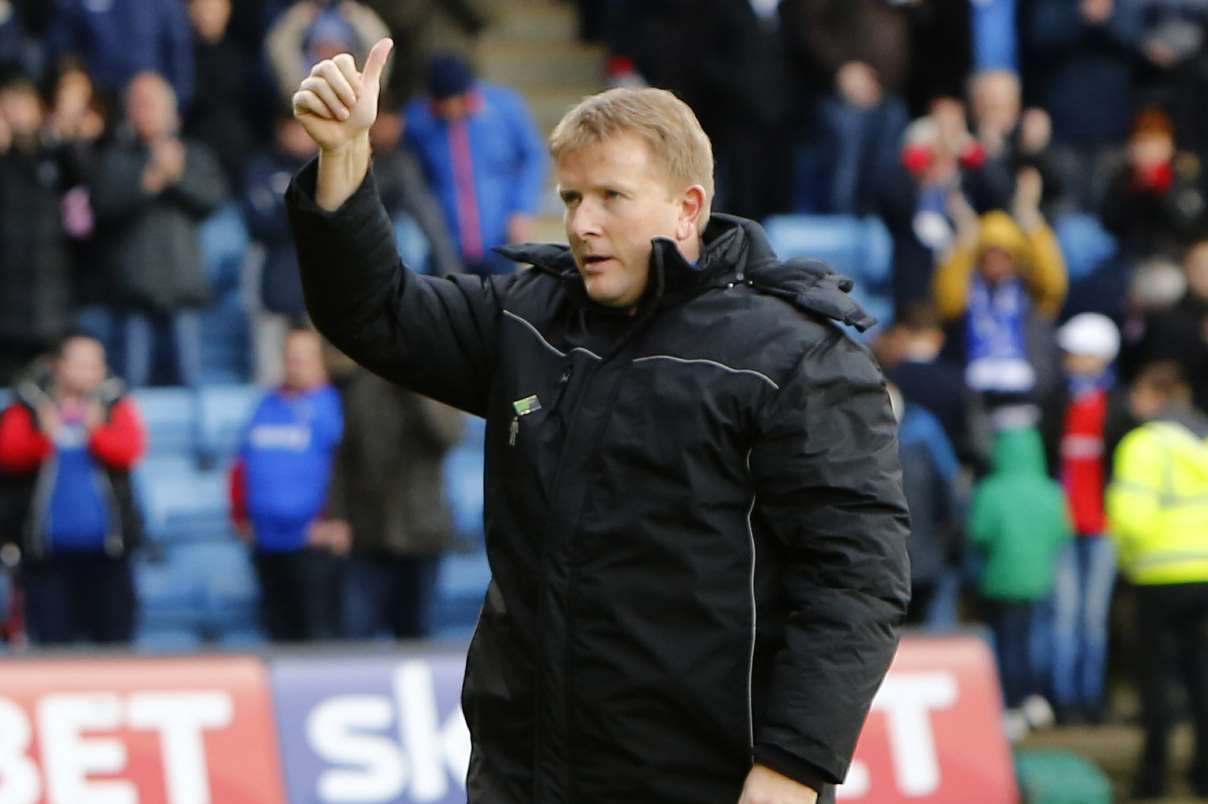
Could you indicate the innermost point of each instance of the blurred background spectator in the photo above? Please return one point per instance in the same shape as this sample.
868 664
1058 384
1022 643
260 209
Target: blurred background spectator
150 191
482 157
279 489
387 490
69 441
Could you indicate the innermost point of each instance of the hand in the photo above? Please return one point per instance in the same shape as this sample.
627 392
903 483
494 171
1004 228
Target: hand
520 228
766 786
168 155
1025 206
857 82
335 103
1035 131
1161 54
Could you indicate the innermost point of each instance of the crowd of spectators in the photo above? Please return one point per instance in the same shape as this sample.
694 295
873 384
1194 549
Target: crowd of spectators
990 138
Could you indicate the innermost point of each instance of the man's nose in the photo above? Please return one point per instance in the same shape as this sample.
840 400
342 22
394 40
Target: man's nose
583 220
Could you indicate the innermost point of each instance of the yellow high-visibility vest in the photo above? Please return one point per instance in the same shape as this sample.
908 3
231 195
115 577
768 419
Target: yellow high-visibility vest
1157 505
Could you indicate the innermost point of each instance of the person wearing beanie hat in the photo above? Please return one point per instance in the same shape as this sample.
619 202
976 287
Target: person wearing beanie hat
1086 570
483 158
1004 272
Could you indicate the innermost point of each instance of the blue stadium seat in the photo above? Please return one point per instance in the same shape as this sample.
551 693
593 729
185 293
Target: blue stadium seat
182 503
860 248
1085 244
224 246
167 639
460 588
171 418
225 411
857 247
6 397
171 592
226 341
231 589
463 481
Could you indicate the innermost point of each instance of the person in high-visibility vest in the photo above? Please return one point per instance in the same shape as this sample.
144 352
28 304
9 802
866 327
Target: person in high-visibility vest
1157 507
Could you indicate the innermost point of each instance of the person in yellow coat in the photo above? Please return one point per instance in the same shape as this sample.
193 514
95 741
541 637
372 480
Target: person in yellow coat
1158 518
998 290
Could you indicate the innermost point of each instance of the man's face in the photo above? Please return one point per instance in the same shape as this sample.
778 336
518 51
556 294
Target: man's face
304 361
80 369
21 109
617 201
997 265
1197 270
210 18
150 107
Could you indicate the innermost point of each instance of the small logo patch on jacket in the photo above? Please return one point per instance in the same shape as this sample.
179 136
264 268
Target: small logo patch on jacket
530 404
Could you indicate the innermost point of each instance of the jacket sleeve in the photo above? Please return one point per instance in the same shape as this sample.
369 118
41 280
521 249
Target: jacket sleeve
119 441
953 277
1047 279
435 336
23 446
829 492
237 489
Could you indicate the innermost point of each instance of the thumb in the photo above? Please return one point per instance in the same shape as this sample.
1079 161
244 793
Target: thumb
377 60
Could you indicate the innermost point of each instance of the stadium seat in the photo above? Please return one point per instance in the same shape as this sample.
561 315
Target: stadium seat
226 341
5 591
1085 244
224 246
231 590
171 592
857 247
460 588
225 411
170 415
182 503
860 248
463 470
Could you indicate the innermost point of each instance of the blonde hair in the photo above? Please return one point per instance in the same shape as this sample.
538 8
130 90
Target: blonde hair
670 129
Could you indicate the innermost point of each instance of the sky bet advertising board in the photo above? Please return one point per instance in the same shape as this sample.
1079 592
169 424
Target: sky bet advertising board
349 728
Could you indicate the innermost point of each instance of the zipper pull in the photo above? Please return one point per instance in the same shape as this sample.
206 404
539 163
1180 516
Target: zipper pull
514 431
560 388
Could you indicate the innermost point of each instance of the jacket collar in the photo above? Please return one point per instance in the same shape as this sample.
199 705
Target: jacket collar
736 251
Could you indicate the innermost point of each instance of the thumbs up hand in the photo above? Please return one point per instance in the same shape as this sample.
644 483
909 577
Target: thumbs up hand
335 103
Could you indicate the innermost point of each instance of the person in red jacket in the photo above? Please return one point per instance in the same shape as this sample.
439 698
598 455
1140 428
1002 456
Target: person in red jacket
1086 571
67 444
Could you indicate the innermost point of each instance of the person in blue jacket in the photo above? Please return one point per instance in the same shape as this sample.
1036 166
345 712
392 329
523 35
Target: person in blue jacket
482 157
278 491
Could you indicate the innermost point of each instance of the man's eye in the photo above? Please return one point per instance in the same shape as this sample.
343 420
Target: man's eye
611 194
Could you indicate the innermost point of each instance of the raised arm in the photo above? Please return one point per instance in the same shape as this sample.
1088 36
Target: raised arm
435 336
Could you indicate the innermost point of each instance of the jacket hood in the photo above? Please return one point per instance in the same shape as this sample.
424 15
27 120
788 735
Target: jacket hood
736 250
1019 451
33 386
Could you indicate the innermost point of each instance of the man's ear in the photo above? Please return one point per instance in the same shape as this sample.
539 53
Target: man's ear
692 206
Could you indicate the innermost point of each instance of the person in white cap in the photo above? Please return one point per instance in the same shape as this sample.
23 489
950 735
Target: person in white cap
1086 571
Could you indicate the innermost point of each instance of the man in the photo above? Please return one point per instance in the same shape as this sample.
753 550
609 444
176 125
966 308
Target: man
150 193
695 521
388 492
1157 520
482 157
279 488
36 286
67 445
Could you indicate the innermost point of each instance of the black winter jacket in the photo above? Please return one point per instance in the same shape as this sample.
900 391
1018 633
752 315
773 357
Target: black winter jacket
694 515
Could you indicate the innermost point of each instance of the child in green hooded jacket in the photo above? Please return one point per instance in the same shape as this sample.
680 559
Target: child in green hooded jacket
1019 522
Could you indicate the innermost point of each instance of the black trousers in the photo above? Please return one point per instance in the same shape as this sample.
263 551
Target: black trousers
300 594
1172 640
79 597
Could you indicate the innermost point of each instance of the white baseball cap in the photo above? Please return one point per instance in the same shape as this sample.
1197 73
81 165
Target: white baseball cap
1090 334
